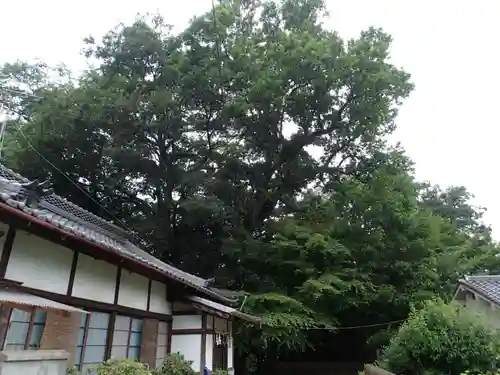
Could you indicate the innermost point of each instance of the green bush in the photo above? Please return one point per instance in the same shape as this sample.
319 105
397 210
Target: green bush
122 367
220 372
175 364
442 339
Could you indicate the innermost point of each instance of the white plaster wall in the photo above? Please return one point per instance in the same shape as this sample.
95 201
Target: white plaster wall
209 351
39 263
158 302
186 321
190 347
30 362
133 290
489 313
94 279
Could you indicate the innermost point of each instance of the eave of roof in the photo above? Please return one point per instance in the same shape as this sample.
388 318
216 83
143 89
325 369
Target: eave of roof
20 299
204 304
95 238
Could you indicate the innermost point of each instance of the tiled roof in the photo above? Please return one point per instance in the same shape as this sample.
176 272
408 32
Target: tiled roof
487 285
71 218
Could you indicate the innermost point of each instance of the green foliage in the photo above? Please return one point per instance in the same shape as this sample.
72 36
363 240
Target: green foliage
468 372
175 364
444 339
122 367
220 372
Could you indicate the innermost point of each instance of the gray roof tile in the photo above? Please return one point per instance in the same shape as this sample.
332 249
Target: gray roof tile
71 218
487 285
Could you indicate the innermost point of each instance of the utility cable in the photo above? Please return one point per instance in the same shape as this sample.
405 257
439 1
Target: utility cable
132 232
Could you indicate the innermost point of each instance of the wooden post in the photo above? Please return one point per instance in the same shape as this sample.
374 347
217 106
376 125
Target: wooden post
4 323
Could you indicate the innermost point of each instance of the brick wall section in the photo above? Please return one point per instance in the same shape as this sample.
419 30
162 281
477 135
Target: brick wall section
61 332
149 341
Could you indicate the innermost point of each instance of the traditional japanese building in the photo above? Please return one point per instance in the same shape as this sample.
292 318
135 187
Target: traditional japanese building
74 281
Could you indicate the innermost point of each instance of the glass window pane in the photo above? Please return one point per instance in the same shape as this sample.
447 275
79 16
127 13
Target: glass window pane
88 369
118 352
161 351
162 328
122 323
40 316
78 356
210 322
84 320
136 325
99 320
120 338
96 337
134 351
135 339
81 334
162 339
20 316
36 336
17 333
94 354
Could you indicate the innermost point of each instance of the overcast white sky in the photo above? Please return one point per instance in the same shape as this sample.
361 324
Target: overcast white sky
447 126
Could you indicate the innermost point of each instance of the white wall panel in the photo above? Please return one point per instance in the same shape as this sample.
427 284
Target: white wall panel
186 322
209 351
94 279
158 302
133 290
39 263
190 347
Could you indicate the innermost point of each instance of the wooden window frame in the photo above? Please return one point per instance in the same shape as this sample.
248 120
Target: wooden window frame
84 346
129 334
168 340
31 323
110 332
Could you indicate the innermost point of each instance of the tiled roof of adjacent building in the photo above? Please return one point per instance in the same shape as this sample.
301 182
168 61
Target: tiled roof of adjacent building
486 285
67 216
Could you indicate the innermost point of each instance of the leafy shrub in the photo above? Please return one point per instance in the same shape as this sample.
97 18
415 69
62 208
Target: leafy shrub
175 364
72 371
497 372
220 372
122 367
442 339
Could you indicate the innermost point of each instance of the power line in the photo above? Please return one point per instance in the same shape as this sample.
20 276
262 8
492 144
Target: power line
79 187
371 325
347 328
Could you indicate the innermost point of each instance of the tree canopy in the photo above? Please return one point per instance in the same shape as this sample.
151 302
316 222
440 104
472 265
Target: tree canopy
251 147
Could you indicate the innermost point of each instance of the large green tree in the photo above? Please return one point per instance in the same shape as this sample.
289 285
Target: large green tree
213 127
